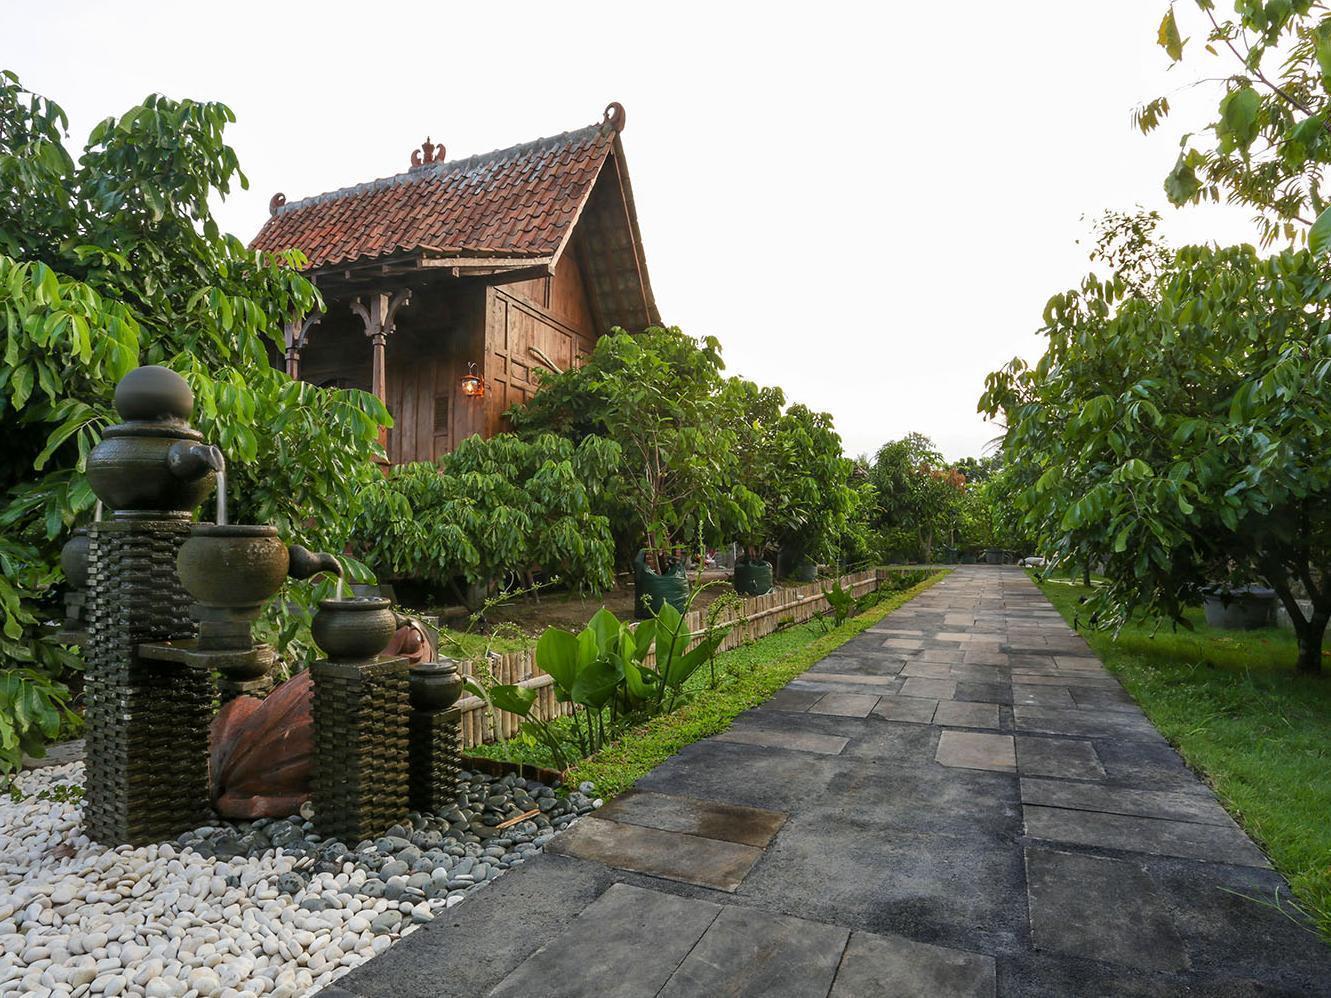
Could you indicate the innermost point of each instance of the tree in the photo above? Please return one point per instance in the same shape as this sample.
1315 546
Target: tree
918 494
115 260
496 507
791 459
658 395
1180 435
1271 139
979 469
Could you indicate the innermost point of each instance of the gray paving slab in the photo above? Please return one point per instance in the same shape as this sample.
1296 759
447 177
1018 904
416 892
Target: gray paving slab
747 951
845 705
875 965
972 750
1083 723
1124 800
753 826
689 859
946 656
861 663
902 644
927 670
1066 680
959 714
988 691
932 689
915 710
985 658
1065 758
794 701
795 741
592 948
1153 836
1104 909
1041 695
813 676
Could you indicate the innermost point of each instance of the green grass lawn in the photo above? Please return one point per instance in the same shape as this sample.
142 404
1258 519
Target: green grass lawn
1259 733
746 676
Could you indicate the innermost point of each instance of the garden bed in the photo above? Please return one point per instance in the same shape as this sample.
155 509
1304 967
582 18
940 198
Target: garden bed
745 677
1236 710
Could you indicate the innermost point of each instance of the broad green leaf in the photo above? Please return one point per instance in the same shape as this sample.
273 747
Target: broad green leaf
596 682
1319 236
557 654
512 698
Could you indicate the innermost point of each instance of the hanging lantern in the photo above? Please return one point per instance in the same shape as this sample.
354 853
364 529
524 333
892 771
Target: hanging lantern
473 385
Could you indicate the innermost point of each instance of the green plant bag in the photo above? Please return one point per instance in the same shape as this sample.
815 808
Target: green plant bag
652 590
753 578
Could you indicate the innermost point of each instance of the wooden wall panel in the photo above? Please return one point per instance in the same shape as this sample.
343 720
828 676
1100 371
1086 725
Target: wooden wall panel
568 299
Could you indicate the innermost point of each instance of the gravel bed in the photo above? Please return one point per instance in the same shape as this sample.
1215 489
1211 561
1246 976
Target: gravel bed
241 908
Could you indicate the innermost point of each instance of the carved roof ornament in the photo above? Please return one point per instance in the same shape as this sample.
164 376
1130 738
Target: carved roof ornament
275 202
428 153
614 117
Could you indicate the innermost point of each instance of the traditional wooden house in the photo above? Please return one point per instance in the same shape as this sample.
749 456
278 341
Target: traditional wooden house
448 285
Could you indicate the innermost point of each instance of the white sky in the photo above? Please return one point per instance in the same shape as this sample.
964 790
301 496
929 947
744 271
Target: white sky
869 207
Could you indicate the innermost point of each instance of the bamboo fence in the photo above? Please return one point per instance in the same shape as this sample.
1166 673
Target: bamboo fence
755 617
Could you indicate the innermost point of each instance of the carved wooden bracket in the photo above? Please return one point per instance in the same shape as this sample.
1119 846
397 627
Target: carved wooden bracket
378 311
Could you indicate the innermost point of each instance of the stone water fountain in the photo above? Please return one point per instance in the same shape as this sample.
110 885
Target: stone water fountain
169 604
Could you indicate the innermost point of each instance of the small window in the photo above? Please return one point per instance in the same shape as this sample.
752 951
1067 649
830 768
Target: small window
441 413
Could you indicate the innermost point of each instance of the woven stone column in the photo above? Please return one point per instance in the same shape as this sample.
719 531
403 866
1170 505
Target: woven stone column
436 758
361 714
147 721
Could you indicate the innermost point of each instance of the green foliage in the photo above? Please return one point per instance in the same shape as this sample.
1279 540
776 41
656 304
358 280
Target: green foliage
603 670
1178 437
658 396
1233 706
791 460
495 508
114 260
841 601
918 497
1270 141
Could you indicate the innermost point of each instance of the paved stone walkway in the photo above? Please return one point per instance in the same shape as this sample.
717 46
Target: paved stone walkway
960 801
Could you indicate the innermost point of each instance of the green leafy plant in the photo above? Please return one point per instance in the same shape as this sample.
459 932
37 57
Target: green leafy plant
657 395
840 601
1174 435
1270 141
111 259
918 497
495 510
603 672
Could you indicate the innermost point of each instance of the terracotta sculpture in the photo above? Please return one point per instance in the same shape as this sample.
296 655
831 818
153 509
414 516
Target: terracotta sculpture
262 751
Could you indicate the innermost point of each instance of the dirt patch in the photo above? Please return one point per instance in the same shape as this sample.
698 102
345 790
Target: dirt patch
534 613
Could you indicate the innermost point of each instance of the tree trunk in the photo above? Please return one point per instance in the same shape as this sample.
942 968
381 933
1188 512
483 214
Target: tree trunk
1309 630
1310 648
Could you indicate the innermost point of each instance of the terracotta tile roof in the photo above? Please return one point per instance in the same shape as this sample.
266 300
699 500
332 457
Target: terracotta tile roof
519 202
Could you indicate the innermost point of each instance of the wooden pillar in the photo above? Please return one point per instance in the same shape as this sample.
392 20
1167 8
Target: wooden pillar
296 334
378 312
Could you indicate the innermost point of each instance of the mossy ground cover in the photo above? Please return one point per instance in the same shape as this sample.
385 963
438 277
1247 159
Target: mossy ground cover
745 677
1258 732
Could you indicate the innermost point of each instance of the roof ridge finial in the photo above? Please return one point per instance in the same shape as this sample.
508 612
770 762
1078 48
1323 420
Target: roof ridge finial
428 153
614 117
